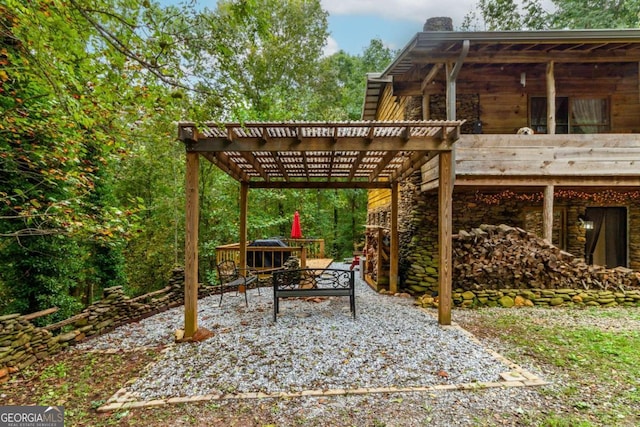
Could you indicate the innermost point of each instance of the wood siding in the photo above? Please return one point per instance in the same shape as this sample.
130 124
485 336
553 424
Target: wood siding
390 107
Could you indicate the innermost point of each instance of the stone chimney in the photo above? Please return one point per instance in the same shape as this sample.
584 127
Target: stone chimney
442 23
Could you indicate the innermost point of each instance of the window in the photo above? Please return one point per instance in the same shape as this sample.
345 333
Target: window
573 115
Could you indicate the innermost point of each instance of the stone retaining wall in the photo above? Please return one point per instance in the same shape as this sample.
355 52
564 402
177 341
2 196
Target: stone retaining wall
23 344
538 297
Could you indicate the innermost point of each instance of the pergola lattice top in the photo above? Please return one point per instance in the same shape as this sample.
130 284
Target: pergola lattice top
328 155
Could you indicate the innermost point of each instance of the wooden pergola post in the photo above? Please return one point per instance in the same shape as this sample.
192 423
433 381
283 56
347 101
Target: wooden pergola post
394 256
244 204
551 99
445 225
547 214
191 247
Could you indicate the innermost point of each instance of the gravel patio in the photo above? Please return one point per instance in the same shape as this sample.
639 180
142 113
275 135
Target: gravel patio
315 349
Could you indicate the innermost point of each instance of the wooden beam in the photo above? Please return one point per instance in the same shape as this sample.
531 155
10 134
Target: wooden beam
526 57
433 72
411 164
244 205
388 156
281 167
394 260
547 214
191 247
482 84
305 164
543 181
356 164
585 141
225 164
445 227
398 143
551 99
320 184
251 159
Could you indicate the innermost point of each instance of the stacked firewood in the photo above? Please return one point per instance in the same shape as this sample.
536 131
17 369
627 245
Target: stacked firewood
499 257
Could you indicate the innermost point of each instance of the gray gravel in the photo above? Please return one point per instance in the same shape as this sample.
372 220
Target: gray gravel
314 345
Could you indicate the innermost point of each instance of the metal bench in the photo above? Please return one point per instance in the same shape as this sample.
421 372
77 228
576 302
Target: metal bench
230 277
313 282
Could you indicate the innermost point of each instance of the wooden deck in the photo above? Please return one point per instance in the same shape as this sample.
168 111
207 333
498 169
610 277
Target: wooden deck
320 263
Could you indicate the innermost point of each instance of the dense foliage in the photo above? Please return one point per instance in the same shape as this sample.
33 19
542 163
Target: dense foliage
502 15
91 174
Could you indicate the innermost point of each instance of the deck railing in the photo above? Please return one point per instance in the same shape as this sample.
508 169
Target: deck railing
314 247
261 257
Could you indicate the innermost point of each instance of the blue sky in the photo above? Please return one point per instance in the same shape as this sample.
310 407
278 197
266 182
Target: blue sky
354 23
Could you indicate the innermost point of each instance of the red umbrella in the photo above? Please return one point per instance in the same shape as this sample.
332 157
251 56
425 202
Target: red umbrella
296 231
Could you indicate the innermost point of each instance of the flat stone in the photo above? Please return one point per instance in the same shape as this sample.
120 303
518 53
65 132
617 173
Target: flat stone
512 376
110 407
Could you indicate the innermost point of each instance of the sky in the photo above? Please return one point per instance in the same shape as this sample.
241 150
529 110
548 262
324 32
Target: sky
354 23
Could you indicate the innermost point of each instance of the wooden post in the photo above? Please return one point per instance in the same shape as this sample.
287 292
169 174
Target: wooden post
547 214
394 256
451 93
445 226
303 257
551 100
426 111
191 247
244 204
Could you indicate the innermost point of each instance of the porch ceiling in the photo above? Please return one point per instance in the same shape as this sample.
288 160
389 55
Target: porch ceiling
365 154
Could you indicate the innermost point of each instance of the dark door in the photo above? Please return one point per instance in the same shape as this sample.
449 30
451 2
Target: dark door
607 241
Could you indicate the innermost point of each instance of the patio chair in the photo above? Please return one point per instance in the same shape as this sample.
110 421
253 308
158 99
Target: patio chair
230 278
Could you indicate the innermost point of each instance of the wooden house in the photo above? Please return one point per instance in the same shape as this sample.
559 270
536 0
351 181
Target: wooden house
550 140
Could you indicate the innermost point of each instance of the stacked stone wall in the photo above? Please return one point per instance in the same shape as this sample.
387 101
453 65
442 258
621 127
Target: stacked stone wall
22 343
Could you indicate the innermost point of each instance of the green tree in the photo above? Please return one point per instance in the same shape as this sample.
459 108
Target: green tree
500 15
73 86
592 14
343 79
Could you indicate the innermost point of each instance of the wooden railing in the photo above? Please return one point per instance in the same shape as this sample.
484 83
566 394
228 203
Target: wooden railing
314 247
261 257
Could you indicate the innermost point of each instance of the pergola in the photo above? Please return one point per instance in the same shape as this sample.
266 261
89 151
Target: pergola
308 155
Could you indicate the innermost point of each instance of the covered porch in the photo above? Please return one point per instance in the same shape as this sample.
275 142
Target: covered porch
308 155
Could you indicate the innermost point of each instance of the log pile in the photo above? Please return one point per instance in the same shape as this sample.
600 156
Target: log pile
503 257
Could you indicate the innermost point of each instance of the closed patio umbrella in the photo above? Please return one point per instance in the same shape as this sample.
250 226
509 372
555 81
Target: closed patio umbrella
296 231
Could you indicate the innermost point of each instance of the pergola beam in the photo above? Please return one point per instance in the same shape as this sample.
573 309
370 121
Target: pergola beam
429 143
339 185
